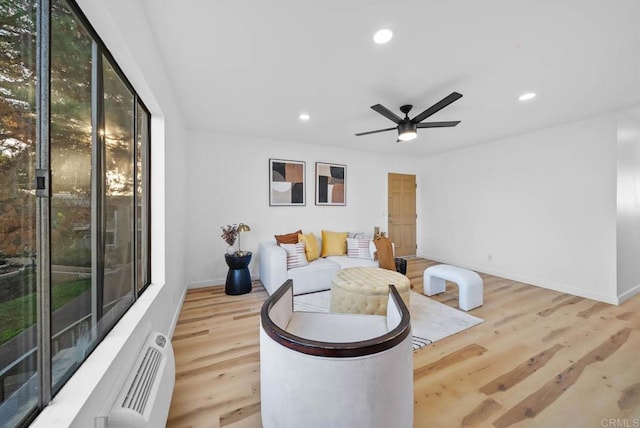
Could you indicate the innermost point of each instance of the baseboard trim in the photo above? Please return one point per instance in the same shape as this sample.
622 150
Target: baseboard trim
176 315
628 294
613 300
215 281
206 283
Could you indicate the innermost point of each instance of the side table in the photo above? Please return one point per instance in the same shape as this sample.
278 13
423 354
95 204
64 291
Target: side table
238 277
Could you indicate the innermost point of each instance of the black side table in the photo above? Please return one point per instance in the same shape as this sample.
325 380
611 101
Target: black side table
238 277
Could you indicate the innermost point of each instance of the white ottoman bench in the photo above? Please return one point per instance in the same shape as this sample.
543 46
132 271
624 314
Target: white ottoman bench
469 284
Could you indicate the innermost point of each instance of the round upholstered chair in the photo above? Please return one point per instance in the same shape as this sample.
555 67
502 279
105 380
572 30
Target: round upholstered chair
322 370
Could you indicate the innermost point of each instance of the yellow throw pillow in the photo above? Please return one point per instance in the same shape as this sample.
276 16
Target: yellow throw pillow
311 246
334 243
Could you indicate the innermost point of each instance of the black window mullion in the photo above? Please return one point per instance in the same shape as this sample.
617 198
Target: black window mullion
134 224
97 188
146 195
144 204
43 201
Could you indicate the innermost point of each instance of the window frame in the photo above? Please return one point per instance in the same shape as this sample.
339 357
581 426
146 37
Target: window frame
140 214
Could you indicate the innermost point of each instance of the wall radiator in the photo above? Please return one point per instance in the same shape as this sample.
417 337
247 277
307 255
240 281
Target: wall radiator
146 394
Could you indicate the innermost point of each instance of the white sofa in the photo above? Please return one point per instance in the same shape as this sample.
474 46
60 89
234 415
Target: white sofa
316 276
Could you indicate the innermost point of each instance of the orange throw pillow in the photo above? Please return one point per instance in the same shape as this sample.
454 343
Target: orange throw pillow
288 238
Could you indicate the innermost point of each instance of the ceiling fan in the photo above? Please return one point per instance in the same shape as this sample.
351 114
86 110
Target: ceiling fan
407 128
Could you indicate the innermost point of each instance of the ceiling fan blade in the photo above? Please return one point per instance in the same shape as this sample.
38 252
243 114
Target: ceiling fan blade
453 96
437 124
386 113
376 131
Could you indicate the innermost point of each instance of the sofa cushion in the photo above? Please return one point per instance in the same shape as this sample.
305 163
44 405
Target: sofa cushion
316 276
334 243
349 262
358 247
288 238
296 256
336 327
311 246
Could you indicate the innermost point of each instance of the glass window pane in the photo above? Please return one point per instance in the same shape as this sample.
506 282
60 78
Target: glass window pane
72 318
142 200
18 340
119 196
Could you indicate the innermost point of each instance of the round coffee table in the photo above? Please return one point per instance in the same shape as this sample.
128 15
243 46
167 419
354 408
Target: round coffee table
365 290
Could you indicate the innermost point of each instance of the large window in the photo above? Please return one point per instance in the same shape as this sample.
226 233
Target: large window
74 199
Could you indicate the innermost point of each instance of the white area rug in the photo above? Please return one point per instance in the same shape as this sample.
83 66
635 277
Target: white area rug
430 320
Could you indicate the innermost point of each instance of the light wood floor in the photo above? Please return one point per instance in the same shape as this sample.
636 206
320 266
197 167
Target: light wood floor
541 358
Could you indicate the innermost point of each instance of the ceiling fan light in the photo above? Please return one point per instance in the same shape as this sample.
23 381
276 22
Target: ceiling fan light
408 135
407 131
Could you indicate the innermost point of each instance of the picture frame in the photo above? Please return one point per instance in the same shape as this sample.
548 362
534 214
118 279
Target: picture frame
287 183
331 184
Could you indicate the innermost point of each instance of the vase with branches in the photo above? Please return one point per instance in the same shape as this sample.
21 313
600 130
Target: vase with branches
229 235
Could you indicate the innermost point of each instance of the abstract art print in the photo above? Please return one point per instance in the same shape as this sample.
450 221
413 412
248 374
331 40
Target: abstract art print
331 184
286 182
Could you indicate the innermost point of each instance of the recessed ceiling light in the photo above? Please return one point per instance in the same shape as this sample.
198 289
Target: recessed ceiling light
527 96
382 36
304 116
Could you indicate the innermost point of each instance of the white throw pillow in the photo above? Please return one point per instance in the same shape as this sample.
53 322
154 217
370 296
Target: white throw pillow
358 248
296 256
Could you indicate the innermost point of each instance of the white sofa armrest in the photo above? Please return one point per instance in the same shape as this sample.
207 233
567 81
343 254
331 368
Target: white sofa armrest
272 265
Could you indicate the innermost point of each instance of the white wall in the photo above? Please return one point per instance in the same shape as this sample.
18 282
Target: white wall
122 26
228 183
628 241
539 208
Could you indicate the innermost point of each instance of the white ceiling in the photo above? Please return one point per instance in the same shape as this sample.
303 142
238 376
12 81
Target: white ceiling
251 67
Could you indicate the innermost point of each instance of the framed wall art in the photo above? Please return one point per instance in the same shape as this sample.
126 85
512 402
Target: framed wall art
286 183
331 184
